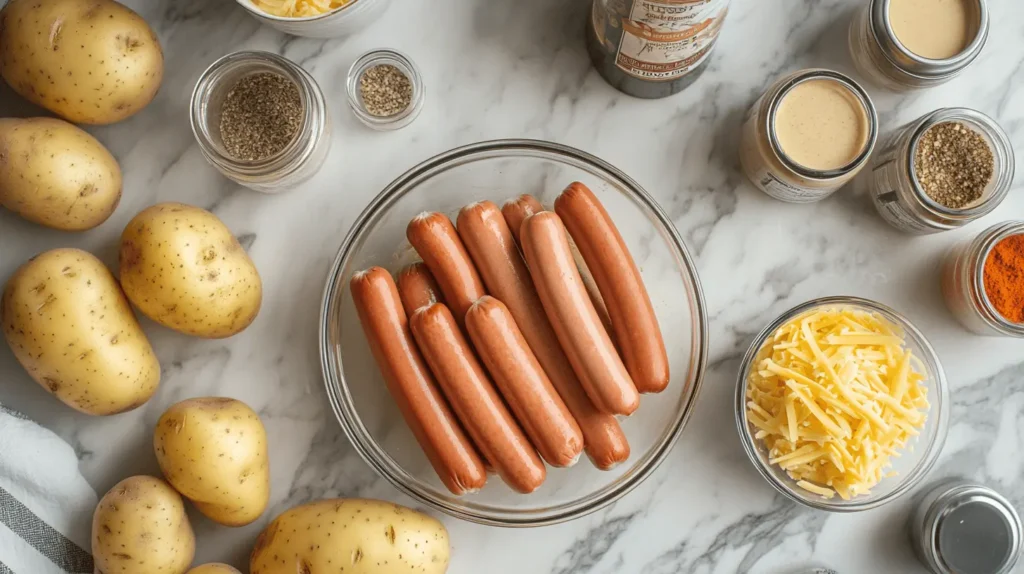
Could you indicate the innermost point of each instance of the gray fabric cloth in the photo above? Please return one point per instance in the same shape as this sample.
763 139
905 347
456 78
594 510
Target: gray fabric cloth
45 504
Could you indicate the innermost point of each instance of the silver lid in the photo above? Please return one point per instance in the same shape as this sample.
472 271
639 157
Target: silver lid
971 529
911 63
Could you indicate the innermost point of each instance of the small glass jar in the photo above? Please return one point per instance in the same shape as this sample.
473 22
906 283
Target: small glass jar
404 65
880 56
963 283
897 193
964 528
291 166
769 168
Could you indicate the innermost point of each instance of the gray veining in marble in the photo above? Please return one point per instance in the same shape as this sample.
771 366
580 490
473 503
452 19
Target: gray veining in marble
519 69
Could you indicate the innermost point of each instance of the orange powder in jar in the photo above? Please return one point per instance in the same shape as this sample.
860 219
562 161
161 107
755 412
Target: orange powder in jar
1004 278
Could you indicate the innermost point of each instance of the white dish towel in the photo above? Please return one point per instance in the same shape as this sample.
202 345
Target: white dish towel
46 505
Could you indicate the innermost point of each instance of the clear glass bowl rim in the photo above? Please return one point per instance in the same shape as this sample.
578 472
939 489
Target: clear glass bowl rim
341 399
350 7
940 410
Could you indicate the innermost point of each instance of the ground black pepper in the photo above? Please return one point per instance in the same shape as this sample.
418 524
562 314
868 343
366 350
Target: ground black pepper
954 164
260 116
385 90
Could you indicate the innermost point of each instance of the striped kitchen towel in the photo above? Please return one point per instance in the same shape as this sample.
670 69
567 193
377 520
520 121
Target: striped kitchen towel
46 505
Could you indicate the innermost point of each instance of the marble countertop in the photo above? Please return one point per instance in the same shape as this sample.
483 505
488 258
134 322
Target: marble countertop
519 69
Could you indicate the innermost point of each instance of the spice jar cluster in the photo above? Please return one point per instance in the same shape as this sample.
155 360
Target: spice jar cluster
815 130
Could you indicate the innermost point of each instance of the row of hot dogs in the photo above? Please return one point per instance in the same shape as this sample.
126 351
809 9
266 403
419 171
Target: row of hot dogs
495 350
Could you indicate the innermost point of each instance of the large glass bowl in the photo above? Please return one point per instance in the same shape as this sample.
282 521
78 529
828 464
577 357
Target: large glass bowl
914 461
498 170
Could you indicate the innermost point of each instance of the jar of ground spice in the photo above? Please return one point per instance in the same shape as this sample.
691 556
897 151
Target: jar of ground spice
983 281
942 171
261 120
385 89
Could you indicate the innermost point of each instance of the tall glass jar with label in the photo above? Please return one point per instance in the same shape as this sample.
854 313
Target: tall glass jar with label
653 48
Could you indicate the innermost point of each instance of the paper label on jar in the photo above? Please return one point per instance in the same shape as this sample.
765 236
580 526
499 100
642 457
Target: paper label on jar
665 39
892 210
785 191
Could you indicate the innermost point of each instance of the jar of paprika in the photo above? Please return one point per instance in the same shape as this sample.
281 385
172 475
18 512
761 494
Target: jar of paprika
983 281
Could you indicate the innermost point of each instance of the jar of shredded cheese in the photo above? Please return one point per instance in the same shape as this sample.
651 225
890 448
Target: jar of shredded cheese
963 282
808 135
281 167
841 404
911 44
316 18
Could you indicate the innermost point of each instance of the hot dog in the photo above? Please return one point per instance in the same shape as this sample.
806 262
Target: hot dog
516 211
576 324
523 383
633 320
490 244
409 381
417 287
474 399
435 239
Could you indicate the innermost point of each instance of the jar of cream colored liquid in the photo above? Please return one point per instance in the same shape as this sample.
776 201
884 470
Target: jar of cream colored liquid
897 193
963 283
808 135
911 44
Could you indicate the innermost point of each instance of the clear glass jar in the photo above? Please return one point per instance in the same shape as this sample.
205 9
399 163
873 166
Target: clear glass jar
963 283
897 193
767 165
963 527
294 164
880 56
404 65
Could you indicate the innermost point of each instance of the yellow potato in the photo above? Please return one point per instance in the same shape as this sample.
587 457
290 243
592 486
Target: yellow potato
70 326
213 569
214 452
140 527
182 267
54 174
94 62
354 536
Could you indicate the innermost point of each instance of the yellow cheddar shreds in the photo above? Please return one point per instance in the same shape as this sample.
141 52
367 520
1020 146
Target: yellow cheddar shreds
835 394
298 8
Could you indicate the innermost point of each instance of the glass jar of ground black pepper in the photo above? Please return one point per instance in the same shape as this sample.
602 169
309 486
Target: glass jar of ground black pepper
261 120
385 89
964 279
902 187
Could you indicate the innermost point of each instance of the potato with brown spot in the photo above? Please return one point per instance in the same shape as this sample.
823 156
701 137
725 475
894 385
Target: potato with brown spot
55 174
94 62
140 527
71 328
352 536
213 450
213 568
182 267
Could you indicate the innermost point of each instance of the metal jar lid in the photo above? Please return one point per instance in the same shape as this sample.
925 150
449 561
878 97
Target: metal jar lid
911 63
967 529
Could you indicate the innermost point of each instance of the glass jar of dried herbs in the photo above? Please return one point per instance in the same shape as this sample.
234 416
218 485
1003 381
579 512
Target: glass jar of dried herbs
942 171
261 120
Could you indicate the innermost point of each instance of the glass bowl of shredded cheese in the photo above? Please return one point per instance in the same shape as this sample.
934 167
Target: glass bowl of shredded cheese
316 18
842 404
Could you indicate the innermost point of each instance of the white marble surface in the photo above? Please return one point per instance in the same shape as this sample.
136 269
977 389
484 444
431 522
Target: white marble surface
507 69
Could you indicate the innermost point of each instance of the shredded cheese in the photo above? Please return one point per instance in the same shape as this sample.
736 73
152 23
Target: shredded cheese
298 8
835 394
